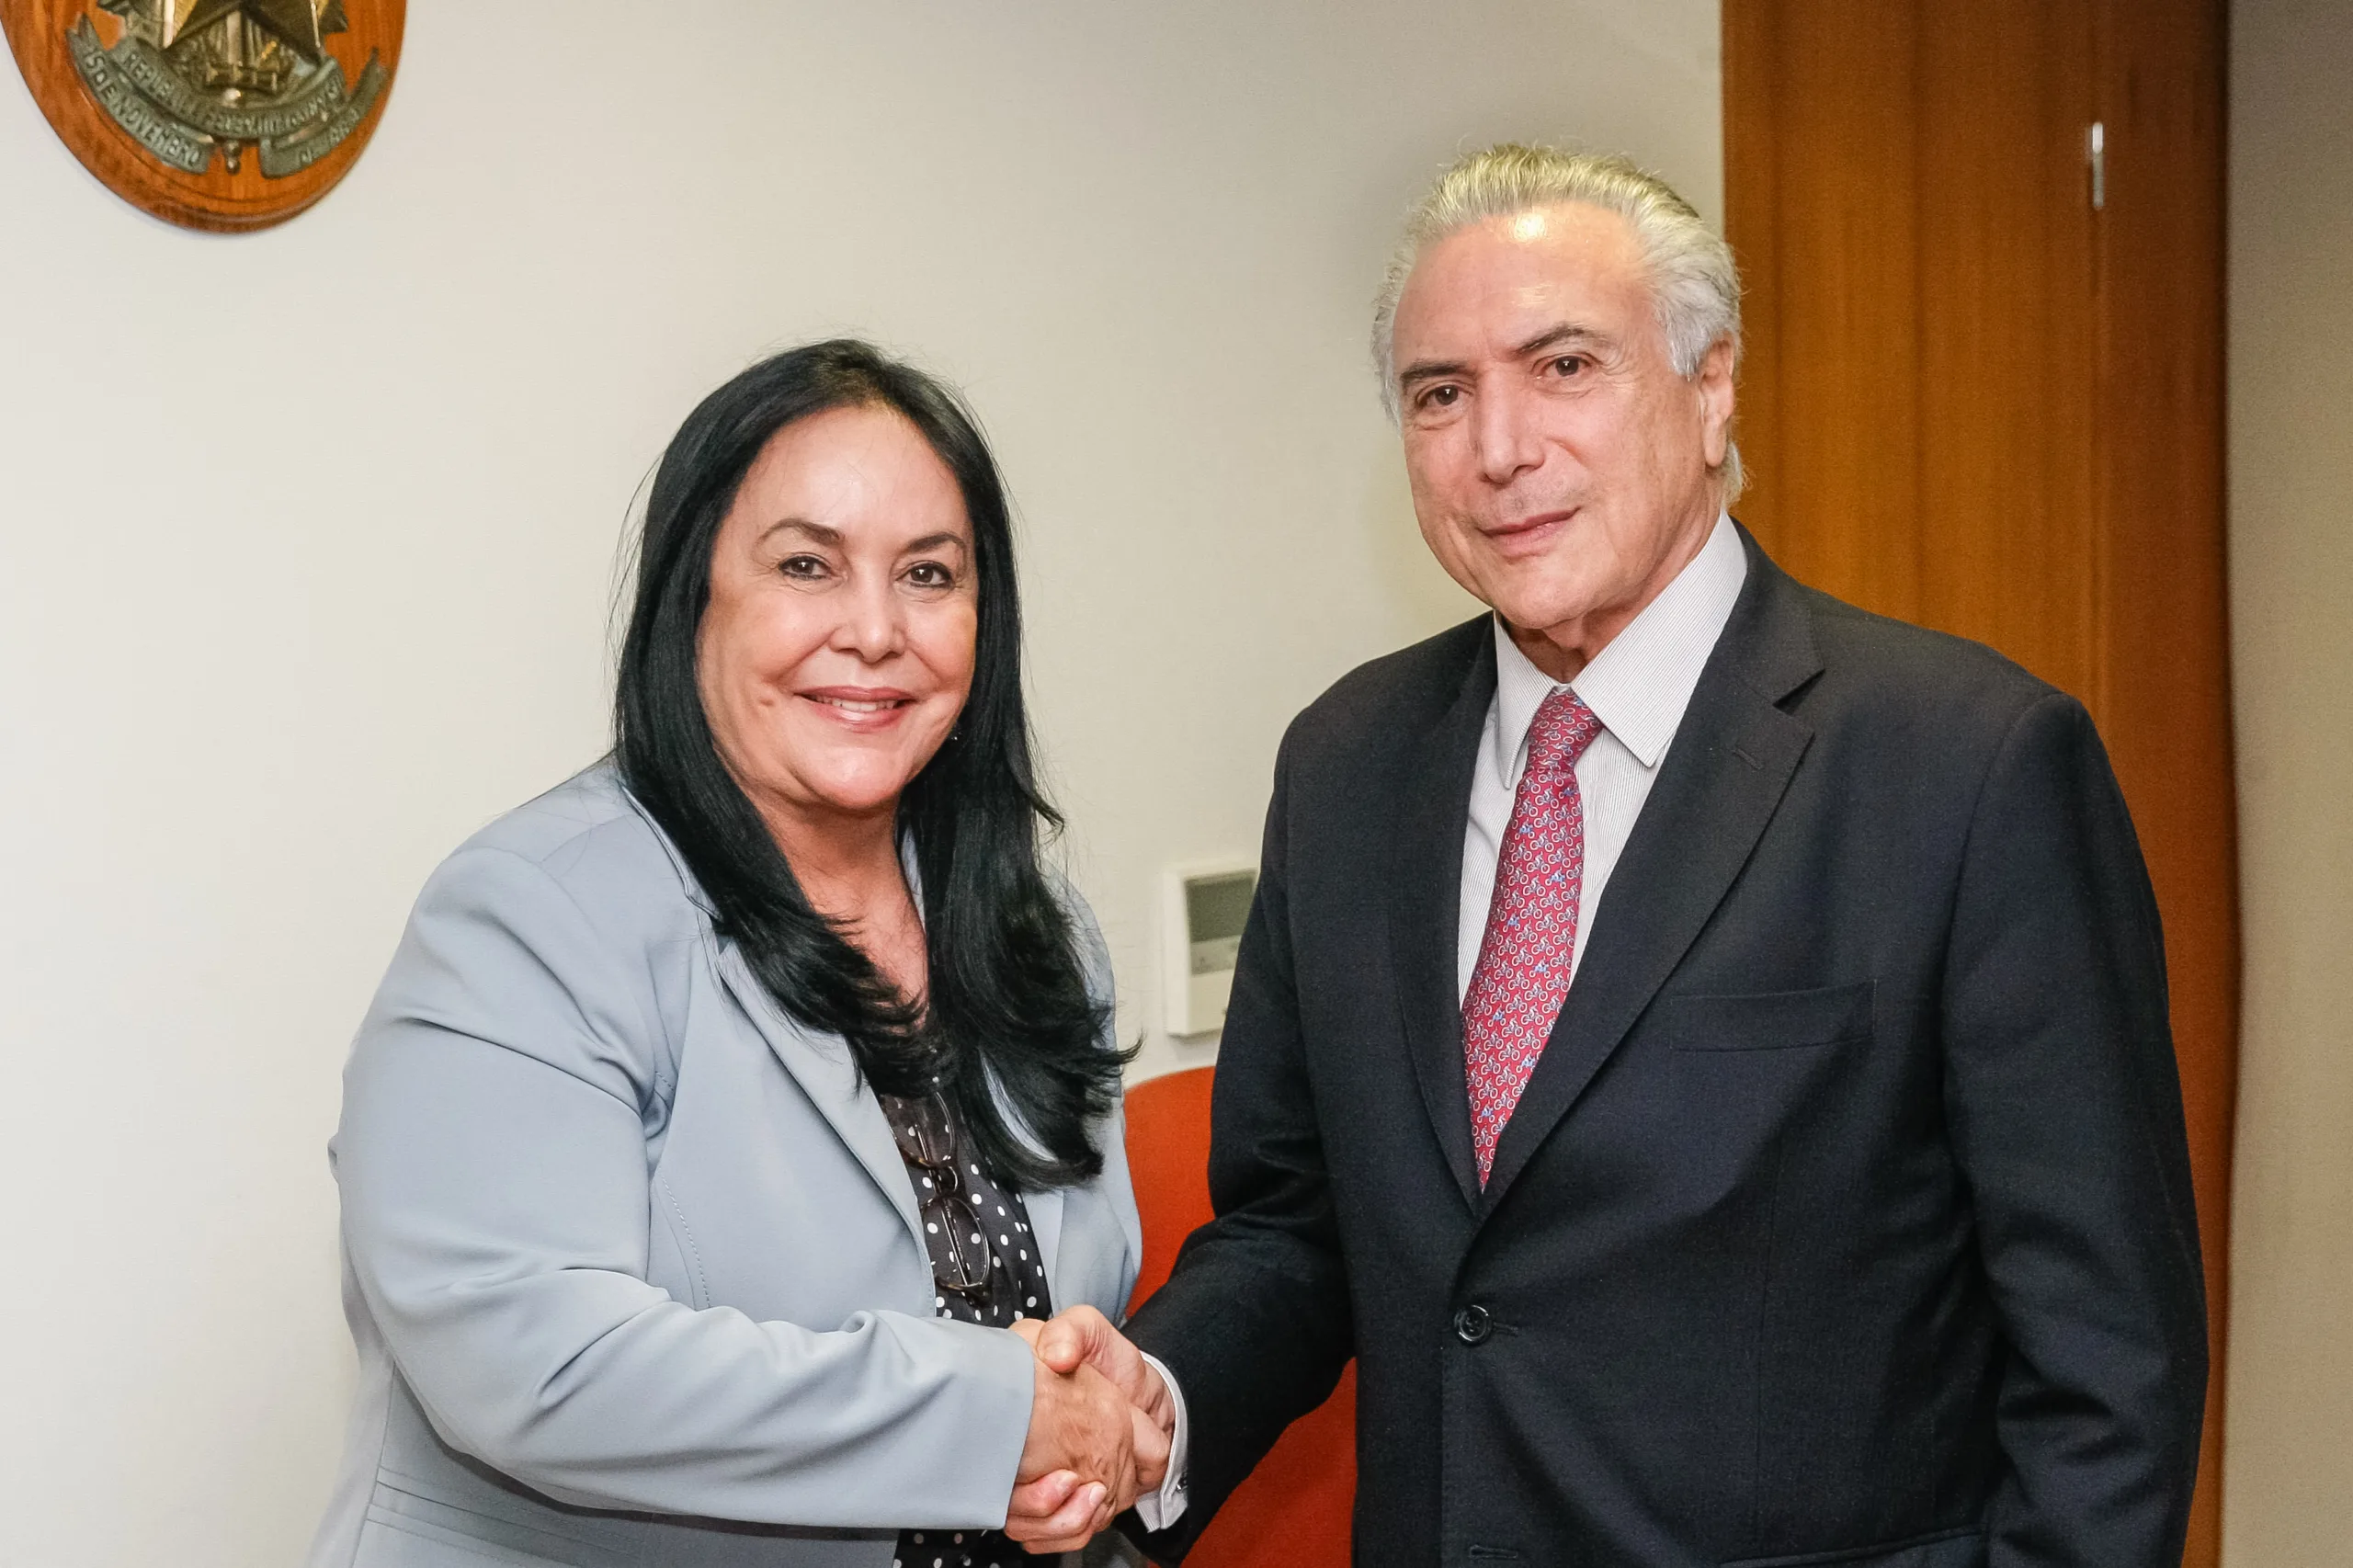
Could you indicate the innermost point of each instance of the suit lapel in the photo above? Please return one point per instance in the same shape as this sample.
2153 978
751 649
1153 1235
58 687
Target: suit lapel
822 1068
1425 899
1721 781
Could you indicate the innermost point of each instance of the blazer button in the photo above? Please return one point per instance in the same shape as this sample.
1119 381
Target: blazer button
1471 1324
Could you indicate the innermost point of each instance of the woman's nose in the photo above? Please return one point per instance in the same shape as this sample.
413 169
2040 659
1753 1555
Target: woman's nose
873 628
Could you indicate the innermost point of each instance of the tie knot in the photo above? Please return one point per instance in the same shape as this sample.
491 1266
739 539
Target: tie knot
1564 726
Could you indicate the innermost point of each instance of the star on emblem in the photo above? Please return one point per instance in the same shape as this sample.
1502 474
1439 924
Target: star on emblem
296 22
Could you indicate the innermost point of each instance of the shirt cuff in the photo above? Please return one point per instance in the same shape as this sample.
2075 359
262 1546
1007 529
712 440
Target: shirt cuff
1160 1509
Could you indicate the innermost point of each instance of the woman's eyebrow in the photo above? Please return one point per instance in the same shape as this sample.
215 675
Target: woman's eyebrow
935 541
816 531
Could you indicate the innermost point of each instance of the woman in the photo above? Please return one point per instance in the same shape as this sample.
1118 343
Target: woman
639 1269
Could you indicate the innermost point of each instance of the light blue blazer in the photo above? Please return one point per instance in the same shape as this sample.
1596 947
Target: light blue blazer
633 1264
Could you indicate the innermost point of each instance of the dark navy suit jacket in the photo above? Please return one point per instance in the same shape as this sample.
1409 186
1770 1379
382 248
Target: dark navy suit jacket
1847 1216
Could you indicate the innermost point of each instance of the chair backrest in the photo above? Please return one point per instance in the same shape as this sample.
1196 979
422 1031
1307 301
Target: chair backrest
1294 1511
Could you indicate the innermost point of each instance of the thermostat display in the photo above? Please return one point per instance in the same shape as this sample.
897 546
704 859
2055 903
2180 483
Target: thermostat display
1207 906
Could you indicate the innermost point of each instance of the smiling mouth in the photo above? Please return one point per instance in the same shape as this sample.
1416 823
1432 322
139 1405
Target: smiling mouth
862 708
1528 525
1527 536
855 705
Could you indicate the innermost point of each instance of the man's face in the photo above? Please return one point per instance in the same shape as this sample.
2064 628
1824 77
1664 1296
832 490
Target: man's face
1560 467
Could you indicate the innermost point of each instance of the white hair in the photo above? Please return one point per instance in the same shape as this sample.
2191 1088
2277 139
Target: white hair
1695 288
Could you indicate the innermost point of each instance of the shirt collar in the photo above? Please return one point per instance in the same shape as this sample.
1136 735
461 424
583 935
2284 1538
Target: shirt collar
1640 682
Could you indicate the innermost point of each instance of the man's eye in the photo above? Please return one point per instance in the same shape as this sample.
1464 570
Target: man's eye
1441 397
1568 364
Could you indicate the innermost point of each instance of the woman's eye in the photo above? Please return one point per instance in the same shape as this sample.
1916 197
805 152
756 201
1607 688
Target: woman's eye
930 575
802 566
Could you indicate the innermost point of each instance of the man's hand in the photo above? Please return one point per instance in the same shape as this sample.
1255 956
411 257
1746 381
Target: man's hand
1076 1474
1083 1336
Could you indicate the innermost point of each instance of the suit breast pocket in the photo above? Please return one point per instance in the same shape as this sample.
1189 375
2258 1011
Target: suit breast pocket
1765 1020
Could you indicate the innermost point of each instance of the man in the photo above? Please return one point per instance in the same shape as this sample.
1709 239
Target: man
1700 1048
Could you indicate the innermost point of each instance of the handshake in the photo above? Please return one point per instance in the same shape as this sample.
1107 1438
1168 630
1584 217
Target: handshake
1100 1432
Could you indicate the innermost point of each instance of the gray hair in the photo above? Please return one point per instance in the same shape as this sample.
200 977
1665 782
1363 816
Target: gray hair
1695 288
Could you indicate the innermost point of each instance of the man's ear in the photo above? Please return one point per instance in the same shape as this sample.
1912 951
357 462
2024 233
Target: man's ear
1714 382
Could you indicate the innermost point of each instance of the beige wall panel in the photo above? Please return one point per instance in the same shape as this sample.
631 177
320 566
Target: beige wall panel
307 540
2287 1473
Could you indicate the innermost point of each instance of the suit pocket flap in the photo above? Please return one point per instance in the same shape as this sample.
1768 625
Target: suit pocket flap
1945 1548
1769 1020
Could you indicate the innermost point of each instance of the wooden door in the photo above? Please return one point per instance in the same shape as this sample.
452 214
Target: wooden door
1976 400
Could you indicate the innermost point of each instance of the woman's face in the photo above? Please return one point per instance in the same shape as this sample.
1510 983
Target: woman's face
836 651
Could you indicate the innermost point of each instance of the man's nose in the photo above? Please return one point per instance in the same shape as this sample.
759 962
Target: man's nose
1503 429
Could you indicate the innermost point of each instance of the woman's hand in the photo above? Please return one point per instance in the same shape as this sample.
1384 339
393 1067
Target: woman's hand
1090 1454
1061 1509
1057 1512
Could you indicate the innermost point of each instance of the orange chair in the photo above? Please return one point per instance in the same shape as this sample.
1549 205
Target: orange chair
1294 1511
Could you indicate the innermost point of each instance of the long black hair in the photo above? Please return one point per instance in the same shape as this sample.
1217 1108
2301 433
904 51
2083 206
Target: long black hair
1009 1025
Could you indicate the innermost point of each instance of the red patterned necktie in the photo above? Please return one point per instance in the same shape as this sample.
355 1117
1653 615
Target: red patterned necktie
1522 975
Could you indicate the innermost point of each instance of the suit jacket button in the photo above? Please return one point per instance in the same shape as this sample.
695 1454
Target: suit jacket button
1471 1324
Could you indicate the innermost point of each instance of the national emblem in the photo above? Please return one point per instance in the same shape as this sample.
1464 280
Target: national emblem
239 111
192 75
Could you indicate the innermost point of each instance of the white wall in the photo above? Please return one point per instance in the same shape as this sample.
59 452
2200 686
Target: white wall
307 541
2288 1447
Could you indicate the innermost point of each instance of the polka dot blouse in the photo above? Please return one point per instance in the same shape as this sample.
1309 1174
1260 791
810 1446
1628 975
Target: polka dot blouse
985 1269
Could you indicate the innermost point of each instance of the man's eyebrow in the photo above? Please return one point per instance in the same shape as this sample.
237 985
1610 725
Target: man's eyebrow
1564 336
1430 371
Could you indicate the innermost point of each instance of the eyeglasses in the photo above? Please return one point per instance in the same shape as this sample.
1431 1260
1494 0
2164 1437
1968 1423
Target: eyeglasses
927 1140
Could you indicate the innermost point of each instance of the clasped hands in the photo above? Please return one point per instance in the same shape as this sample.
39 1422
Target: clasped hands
1098 1432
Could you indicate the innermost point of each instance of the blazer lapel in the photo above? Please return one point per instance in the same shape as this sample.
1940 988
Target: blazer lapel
822 1068
1721 781
1425 901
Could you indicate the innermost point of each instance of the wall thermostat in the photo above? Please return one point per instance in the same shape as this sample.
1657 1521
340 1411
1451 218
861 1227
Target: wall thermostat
1205 906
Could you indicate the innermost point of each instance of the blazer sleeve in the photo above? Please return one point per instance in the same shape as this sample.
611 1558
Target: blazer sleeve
2063 1106
1254 1321
493 1161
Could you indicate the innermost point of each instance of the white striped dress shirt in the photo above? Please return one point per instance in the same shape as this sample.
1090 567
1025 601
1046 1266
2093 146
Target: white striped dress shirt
1638 686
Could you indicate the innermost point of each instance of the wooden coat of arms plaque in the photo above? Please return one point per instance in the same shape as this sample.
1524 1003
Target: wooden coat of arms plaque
213 114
